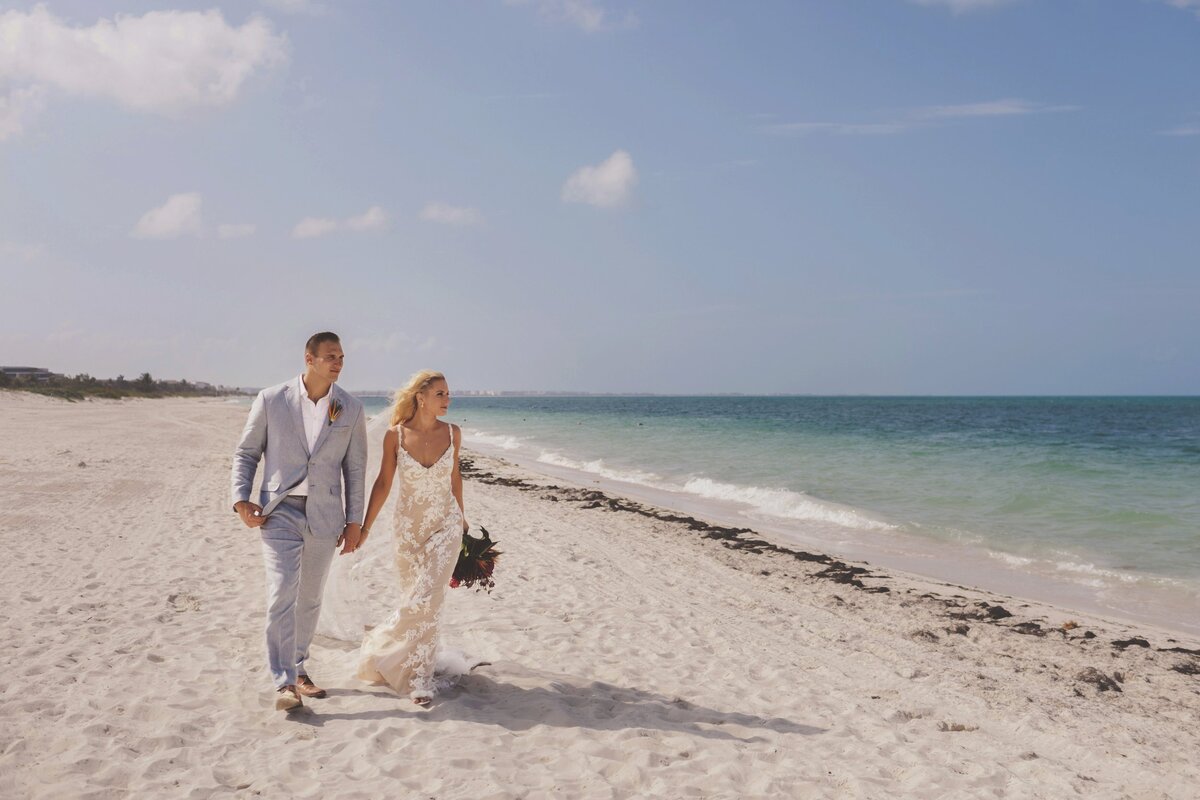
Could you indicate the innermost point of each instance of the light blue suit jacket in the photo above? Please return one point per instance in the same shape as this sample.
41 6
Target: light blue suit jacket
275 434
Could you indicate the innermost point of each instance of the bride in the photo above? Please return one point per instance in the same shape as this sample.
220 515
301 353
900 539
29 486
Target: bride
429 523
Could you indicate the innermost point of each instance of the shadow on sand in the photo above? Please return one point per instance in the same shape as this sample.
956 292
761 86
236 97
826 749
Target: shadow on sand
558 701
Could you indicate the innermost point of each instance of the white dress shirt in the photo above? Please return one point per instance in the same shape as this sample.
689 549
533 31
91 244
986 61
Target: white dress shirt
315 415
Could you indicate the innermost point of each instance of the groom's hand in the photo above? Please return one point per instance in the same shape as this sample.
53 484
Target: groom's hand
350 539
251 514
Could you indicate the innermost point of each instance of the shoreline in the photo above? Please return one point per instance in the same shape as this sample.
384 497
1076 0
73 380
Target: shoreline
925 559
631 651
984 605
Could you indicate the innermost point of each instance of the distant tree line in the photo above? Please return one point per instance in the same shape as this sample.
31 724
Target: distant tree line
81 386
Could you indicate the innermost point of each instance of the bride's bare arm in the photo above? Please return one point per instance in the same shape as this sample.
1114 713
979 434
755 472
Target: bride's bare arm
456 476
383 482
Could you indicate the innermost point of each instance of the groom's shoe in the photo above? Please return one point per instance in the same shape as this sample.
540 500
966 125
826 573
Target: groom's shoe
306 687
287 698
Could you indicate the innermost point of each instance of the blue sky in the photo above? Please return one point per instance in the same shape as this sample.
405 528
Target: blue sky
962 197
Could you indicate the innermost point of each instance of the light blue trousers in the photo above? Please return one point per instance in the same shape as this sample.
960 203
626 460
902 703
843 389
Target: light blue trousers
297 563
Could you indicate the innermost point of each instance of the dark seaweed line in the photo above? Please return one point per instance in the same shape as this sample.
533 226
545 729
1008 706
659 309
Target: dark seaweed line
833 570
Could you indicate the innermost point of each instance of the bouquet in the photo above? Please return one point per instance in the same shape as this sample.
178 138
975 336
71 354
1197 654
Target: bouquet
476 562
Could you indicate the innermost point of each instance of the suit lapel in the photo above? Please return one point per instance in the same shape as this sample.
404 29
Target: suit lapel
325 424
294 400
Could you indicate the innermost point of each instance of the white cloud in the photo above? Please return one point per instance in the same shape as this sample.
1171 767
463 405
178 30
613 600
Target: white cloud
373 219
1189 128
580 13
921 116
583 14
965 6
18 108
961 6
1187 5
309 227
606 185
235 231
178 216
451 215
992 108
162 62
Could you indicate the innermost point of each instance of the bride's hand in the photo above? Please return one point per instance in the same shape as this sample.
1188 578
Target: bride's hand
350 538
466 525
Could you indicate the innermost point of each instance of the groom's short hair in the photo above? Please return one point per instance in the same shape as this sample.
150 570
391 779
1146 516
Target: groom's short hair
317 339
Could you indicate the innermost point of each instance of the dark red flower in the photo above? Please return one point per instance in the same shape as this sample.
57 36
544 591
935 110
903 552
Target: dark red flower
476 562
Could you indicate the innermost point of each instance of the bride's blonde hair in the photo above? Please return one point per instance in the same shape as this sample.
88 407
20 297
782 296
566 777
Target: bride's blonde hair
404 403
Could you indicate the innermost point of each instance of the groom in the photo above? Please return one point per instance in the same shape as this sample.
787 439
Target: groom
313 436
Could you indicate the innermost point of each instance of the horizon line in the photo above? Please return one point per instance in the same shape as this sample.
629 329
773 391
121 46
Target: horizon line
507 393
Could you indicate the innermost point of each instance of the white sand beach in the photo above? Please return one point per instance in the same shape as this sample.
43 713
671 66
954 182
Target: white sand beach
633 652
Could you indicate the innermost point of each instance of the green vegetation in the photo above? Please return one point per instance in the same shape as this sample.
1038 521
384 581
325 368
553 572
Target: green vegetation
82 386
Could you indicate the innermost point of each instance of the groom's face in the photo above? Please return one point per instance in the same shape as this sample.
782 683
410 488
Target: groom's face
328 361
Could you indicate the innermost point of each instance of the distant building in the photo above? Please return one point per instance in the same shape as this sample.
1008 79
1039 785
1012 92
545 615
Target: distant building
35 374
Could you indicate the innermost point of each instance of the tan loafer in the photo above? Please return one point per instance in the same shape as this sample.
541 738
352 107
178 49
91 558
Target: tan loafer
287 698
306 687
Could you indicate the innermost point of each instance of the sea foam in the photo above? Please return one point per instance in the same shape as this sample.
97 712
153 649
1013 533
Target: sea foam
493 439
598 467
784 503
781 503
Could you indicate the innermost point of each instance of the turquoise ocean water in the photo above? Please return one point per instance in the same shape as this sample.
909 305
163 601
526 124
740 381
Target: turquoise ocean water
1092 502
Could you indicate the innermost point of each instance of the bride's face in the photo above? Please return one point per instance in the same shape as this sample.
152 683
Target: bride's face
437 397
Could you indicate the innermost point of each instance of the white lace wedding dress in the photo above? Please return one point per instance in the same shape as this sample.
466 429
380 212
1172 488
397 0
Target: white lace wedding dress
402 651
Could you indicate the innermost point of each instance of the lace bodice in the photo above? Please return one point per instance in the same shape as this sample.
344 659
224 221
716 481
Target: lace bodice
426 503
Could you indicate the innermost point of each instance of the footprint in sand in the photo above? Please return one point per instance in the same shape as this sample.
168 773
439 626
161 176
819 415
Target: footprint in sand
955 727
184 602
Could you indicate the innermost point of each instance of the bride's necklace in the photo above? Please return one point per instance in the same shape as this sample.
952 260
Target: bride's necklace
424 447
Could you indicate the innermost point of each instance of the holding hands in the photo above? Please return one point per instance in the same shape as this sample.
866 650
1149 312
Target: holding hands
351 539
353 536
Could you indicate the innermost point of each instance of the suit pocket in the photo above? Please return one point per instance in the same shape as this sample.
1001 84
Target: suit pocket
335 490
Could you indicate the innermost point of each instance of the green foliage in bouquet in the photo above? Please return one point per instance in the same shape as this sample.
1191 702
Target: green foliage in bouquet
476 562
